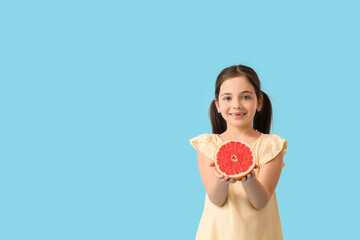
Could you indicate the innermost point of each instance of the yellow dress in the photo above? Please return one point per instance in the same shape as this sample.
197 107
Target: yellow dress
237 218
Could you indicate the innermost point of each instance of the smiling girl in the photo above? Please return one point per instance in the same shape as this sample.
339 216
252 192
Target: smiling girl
245 208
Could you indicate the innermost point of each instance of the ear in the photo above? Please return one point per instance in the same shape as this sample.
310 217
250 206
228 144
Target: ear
217 105
260 104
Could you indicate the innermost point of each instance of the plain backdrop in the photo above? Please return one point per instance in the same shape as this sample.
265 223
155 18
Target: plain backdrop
99 99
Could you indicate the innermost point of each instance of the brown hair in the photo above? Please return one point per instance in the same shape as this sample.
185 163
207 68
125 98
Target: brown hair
262 118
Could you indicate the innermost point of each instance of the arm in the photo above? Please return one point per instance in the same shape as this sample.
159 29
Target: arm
259 190
216 185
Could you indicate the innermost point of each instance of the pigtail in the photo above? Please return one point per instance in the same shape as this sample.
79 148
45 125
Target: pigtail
263 118
218 123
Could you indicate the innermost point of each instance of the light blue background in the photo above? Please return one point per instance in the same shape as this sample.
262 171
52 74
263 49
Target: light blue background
99 99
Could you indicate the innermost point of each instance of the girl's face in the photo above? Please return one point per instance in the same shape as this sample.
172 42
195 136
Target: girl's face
237 102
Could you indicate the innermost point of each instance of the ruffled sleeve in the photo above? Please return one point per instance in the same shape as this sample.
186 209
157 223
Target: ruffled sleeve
205 144
273 145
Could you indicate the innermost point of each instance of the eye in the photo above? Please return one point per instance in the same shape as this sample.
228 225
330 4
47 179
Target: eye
246 97
226 98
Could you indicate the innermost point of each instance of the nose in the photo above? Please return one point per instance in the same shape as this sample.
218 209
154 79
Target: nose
236 104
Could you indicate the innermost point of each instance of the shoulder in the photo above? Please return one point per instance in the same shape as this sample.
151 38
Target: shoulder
270 146
200 138
273 139
269 136
205 143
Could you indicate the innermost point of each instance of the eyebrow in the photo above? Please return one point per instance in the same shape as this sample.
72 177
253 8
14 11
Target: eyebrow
231 94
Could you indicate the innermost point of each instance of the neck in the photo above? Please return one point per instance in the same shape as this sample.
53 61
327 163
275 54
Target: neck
239 132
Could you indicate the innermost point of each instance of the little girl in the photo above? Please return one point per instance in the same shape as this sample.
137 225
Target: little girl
246 208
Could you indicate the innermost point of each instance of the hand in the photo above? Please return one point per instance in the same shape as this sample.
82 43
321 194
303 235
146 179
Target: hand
226 179
221 177
250 176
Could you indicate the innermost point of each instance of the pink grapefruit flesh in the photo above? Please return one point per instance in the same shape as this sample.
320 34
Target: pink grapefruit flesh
234 159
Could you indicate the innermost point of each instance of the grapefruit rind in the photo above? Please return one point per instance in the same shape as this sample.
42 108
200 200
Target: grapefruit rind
241 174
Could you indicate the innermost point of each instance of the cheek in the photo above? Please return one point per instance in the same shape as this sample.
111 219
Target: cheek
251 106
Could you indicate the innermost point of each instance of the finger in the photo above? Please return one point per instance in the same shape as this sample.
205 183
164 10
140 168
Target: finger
229 180
248 177
225 179
220 176
233 181
222 179
217 173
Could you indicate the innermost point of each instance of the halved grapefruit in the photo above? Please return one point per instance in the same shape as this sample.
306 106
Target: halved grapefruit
235 159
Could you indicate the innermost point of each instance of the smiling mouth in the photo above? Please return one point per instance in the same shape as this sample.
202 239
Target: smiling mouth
237 114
